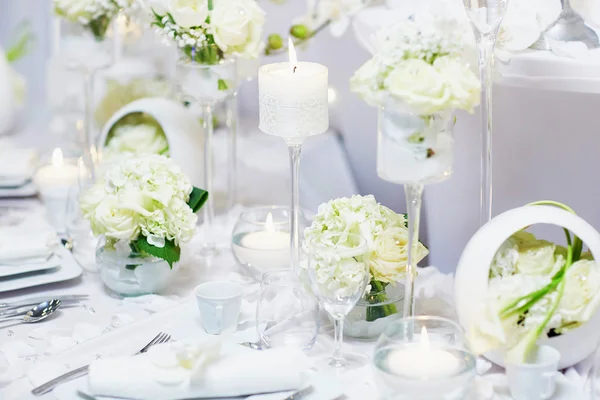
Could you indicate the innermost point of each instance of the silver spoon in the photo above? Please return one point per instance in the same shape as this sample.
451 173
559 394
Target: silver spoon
37 313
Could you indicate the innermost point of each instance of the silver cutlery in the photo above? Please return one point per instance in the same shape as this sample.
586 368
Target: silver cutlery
37 313
12 311
253 346
300 393
81 371
35 300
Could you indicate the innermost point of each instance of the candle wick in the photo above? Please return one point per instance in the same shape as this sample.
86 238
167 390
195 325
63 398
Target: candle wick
295 69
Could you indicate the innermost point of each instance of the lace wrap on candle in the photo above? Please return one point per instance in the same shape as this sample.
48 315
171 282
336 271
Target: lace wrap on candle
296 118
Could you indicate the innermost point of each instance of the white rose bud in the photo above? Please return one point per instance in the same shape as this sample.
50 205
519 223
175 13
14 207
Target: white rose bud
536 257
189 13
582 292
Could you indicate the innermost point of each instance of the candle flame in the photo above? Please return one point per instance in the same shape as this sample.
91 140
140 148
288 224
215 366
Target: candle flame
269 227
57 158
293 57
424 342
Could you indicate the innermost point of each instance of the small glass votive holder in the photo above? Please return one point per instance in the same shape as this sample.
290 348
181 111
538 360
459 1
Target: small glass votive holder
423 358
54 182
261 240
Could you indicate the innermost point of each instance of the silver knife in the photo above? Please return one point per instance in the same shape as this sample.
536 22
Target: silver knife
35 300
300 393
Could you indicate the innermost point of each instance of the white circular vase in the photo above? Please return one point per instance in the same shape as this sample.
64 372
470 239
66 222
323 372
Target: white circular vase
472 275
180 126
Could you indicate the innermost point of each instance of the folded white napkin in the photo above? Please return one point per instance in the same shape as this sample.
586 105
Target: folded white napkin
185 370
19 245
16 164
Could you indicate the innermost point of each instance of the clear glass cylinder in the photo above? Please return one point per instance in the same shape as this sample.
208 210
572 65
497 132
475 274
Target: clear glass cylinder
413 148
129 273
378 307
287 313
423 358
205 83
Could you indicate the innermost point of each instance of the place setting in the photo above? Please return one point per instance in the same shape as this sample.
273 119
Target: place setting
126 273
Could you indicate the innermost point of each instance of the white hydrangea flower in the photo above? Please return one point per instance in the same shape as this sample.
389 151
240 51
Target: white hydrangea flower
86 11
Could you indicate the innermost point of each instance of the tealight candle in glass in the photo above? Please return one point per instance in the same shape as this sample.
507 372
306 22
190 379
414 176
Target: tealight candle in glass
423 358
261 239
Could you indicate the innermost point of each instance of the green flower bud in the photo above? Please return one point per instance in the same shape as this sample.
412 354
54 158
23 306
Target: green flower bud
274 42
299 31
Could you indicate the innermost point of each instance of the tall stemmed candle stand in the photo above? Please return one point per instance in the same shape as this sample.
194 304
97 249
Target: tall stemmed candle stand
293 105
85 50
207 84
486 17
413 150
232 138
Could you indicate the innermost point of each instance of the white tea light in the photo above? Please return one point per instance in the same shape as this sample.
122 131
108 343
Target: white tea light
264 250
53 182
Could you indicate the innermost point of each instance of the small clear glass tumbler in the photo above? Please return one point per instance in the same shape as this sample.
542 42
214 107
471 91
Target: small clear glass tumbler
287 313
423 358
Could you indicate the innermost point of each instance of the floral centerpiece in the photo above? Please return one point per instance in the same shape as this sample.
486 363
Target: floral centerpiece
536 289
145 209
386 235
132 139
95 15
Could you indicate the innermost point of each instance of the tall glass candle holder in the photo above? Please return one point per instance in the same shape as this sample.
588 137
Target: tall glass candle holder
423 358
293 105
486 17
413 150
207 84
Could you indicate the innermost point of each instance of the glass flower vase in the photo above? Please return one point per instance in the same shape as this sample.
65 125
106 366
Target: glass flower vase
207 85
413 150
129 273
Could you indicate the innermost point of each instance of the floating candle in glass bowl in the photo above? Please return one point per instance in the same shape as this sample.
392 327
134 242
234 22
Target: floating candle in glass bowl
261 239
423 358
53 182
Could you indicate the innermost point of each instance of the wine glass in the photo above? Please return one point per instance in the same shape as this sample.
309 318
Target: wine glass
339 272
486 17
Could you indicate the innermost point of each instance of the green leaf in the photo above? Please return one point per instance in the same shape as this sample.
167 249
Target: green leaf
197 199
222 84
170 252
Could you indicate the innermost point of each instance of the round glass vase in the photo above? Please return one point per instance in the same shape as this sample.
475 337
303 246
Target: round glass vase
129 273
375 311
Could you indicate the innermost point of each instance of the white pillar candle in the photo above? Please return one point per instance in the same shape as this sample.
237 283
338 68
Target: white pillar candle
264 250
53 182
293 98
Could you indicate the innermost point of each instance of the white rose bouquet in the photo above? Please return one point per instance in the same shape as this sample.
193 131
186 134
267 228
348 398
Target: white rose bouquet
536 289
386 235
419 64
96 15
209 30
147 203
131 139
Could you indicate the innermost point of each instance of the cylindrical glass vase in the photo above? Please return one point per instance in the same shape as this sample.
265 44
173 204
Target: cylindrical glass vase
374 311
129 273
413 148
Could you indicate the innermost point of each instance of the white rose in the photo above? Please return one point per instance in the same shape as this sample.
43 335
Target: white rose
137 139
464 85
536 257
582 292
390 256
365 82
160 7
420 86
89 200
506 257
189 13
237 26
113 221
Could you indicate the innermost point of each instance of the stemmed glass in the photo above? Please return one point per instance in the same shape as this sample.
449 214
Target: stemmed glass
339 272
486 17
413 150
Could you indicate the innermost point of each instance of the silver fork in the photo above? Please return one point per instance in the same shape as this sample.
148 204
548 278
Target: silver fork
81 371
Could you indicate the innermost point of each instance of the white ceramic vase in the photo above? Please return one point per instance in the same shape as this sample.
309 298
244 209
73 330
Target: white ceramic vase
472 275
182 130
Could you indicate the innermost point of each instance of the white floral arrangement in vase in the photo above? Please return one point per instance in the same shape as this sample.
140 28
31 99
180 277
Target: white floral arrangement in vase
95 15
386 235
536 290
135 139
144 207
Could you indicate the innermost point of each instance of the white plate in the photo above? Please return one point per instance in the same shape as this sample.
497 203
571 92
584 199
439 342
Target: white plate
22 267
22 191
67 270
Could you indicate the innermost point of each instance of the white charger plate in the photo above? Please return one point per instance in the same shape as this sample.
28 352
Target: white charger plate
24 267
67 270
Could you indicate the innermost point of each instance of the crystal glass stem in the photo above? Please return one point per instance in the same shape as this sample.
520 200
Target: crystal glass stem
209 207
232 125
89 150
414 195
338 359
294 150
486 46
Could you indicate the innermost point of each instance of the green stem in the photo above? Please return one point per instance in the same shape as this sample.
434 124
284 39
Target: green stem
303 40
